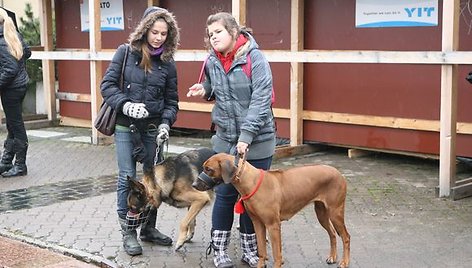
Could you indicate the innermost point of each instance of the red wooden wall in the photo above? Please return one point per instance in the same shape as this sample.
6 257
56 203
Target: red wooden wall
393 90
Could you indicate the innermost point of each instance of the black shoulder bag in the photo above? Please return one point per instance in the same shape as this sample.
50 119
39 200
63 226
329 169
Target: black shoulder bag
106 117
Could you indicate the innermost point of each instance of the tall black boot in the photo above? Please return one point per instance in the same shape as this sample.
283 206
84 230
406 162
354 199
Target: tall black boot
19 168
7 156
149 233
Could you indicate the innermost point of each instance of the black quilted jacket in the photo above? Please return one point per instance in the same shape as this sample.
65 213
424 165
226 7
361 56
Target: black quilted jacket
13 73
158 89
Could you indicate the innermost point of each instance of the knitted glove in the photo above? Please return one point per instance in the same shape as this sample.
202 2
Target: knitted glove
135 110
163 130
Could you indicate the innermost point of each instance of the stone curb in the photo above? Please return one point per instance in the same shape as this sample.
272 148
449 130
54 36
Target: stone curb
77 254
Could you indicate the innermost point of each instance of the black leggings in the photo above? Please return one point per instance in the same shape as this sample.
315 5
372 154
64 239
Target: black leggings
12 102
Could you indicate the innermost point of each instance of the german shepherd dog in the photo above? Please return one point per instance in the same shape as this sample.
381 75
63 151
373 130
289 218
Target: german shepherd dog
171 182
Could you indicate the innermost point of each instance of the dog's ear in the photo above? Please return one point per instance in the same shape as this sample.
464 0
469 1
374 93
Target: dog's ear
134 184
130 181
227 171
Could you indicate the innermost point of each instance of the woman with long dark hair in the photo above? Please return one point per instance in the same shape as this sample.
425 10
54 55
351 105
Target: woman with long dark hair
147 105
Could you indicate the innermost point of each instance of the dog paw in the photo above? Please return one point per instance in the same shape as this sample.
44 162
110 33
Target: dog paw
178 246
331 260
189 237
343 264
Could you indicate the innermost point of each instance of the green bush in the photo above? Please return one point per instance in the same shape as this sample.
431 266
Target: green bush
32 36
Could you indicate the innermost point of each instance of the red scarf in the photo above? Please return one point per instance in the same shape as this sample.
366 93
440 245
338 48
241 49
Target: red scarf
228 60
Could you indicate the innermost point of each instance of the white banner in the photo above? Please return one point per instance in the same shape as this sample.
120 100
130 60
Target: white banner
111 15
396 13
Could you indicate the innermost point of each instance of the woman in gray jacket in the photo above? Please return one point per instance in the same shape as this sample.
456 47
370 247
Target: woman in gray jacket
13 81
147 106
243 118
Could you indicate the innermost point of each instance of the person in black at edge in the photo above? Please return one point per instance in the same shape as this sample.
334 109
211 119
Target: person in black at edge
13 82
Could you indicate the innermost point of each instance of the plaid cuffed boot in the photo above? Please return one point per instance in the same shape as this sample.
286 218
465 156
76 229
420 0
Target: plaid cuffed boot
219 243
249 249
130 239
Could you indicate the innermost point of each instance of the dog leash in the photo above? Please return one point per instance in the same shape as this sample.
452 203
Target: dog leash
236 162
159 157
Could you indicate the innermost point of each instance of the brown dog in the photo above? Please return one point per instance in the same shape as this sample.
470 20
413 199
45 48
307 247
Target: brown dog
277 195
171 182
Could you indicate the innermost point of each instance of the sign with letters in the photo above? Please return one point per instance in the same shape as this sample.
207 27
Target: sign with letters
396 13
111 15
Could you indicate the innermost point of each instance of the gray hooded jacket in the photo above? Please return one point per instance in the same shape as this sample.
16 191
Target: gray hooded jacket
242 110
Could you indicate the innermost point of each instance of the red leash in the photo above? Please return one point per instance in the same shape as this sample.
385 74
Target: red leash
239 207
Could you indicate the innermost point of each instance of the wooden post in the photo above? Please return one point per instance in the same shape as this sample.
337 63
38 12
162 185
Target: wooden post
49 80
296 79
447 152
95 36
238 9
152 3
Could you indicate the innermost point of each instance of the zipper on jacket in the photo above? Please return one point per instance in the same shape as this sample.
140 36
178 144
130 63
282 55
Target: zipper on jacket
143 94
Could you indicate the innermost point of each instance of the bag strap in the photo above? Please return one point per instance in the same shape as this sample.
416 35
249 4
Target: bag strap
247 67
248 71
202 70
123 67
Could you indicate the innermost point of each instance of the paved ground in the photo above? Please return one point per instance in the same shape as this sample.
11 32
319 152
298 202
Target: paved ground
65 208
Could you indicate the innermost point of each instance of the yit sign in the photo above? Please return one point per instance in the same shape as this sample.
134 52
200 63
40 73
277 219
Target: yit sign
396 13
111 15
420 11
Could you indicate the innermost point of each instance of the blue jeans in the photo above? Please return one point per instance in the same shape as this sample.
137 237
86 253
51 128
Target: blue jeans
127 165
226 197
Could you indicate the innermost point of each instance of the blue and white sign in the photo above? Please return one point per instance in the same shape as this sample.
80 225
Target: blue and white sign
396 13
111 15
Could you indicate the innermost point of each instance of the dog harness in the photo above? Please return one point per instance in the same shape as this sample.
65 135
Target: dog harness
239 207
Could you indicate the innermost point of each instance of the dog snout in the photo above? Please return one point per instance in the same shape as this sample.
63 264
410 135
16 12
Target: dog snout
203 182
195 185
199 185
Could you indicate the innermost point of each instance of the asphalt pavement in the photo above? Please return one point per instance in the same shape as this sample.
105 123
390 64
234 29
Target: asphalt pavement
63 213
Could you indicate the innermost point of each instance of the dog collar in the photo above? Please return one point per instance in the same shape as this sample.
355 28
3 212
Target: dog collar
239 207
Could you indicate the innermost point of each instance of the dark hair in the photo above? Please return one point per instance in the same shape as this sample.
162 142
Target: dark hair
138 38
230 24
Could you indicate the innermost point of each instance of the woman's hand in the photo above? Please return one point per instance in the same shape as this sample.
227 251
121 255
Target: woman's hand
196 90
241 147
